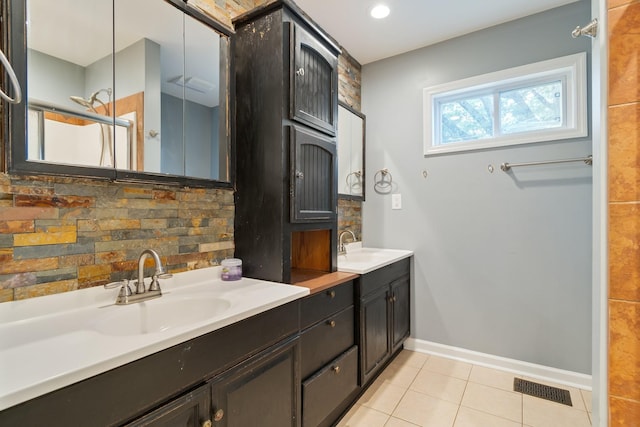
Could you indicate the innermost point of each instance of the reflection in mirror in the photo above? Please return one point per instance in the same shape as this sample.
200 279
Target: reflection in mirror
132 85
70 77
351 125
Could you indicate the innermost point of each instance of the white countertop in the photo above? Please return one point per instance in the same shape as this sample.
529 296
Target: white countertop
361 260
47 343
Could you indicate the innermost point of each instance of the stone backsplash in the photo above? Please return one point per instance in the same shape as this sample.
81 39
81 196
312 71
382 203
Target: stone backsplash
62 234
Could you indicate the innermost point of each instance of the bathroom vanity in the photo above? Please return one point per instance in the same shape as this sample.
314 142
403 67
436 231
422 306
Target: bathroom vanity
231 353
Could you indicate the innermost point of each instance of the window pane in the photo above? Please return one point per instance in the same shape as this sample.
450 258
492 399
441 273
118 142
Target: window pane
531 108
466 119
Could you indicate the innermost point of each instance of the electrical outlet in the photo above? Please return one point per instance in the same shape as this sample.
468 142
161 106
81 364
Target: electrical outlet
396 201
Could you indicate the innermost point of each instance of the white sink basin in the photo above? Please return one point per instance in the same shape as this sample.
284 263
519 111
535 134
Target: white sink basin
159 315
361 260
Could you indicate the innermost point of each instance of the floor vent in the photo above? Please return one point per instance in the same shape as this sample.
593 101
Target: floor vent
542 391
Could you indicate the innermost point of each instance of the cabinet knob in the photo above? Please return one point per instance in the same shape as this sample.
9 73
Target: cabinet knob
336 369
300 72
331 294
394 298
299 174
219 415
331 323
207 423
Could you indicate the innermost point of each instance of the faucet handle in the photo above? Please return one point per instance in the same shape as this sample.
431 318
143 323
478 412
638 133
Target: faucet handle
112 285
125 290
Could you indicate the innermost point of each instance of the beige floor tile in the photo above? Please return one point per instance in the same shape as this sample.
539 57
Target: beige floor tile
427 411
439 386
382 396
361 416
450 367
492 377
502 403
468 417
411 358
538 412
586 398
397 422
400 375
576 396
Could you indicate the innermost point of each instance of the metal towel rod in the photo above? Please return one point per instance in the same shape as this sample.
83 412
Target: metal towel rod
586 160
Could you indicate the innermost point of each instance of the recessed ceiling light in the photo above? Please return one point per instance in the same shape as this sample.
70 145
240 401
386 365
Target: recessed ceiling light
380 11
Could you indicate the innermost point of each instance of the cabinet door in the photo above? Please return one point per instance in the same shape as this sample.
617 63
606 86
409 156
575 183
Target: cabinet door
189 410
260 392
374 333
401 311
313 177
314 82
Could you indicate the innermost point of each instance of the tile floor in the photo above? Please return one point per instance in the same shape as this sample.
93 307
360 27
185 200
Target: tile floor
417 389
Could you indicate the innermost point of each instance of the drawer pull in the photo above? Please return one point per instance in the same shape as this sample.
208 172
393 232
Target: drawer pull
207 423
219 415
331 323
336 369
331 294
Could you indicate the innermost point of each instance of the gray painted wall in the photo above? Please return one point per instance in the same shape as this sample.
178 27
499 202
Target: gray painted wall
502 261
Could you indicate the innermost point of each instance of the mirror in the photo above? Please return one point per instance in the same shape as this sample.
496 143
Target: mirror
134 86
351 142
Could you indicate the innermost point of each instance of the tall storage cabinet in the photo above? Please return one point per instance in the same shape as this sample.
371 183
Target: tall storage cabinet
286 120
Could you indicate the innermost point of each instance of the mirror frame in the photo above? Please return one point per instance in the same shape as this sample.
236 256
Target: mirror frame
364 167
15 122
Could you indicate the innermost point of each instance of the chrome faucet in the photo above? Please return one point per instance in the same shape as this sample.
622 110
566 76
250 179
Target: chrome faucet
126 296
341 247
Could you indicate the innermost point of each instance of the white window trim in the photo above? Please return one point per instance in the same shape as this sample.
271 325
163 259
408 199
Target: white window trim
573 68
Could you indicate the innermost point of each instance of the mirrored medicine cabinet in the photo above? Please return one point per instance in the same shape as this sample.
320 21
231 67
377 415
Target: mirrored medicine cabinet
351 151
121 89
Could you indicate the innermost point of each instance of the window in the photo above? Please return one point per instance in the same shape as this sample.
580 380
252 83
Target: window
538 102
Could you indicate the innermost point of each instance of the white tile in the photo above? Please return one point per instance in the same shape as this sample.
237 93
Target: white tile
576 397
439 386
400 375
411 358
543 413
397 422
502 403
450 367
492 377
361 416
423 410
468 417
587 397
382 396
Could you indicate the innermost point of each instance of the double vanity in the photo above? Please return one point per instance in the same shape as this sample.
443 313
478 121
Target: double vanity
241 353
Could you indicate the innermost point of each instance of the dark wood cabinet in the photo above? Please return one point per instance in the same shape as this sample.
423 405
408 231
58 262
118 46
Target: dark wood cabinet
314 82
313 177
374 321
286 121
260 392
328 355
192 409
383 308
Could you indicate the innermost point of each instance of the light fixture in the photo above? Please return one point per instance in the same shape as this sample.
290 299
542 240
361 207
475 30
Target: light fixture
380 11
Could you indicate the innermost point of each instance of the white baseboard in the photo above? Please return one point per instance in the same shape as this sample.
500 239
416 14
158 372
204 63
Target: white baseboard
518 367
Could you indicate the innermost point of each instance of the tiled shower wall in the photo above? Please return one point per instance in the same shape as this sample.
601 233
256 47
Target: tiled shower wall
624 212
63 234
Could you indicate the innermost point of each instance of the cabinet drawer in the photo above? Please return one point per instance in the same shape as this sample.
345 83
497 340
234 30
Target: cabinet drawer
316 307
323 392
326 340
383 276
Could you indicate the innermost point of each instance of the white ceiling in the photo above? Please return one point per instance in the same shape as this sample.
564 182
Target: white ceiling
412 23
